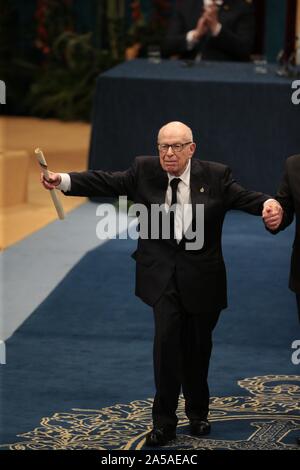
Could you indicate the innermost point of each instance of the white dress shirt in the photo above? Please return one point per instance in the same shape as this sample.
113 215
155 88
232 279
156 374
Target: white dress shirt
184 213
65 184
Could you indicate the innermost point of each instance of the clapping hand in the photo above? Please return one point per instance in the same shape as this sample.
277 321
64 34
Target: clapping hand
211 17
209 21
201 28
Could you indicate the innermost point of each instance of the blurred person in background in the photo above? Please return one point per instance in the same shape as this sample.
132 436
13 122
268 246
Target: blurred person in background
211 30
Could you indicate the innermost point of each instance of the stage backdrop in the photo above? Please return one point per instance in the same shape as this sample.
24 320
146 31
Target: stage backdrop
239 117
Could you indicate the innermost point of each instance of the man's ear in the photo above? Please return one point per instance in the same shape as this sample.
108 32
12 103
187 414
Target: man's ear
193 148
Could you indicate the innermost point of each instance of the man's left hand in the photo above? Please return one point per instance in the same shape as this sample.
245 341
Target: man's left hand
272 214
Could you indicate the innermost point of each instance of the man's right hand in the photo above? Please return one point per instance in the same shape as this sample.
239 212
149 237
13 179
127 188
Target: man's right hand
53 181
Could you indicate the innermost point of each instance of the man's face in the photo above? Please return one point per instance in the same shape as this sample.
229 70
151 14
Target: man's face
175 159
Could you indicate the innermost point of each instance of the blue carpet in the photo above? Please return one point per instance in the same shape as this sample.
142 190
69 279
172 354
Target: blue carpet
88 346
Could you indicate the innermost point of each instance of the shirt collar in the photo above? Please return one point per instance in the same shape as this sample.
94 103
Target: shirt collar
185 177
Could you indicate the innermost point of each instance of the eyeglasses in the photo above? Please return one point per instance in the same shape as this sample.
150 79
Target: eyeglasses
163 148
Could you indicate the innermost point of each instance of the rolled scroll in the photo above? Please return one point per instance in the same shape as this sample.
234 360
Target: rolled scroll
53 193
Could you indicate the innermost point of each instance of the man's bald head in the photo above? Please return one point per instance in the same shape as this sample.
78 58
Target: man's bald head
176 128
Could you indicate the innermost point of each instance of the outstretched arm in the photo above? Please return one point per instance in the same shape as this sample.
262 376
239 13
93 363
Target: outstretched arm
94 183
237 197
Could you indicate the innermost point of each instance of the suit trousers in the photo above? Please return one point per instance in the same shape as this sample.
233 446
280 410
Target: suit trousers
181 353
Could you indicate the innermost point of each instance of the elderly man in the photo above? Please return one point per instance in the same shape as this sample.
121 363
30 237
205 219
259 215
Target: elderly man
186 287
211 30
289 197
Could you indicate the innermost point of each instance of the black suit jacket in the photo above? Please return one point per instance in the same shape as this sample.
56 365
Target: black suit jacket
234 43
200 274
289 197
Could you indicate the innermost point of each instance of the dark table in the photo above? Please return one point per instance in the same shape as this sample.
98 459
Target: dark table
238 117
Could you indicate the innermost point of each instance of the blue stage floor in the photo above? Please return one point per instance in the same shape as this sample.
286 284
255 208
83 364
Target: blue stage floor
79 370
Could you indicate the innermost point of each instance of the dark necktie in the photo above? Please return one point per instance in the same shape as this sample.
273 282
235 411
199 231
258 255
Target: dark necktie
174 185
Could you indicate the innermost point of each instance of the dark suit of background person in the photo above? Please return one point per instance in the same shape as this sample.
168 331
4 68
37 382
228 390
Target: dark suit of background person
233 43
187 289
288 195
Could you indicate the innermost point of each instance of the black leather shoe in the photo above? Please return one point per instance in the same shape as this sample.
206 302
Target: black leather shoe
199 428
159 437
